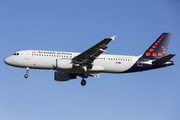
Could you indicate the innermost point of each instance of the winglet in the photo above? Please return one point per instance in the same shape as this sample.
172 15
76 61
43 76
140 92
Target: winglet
113 37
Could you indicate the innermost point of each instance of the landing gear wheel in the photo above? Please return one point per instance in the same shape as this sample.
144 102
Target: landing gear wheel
27 71
83 82
86 74
26 75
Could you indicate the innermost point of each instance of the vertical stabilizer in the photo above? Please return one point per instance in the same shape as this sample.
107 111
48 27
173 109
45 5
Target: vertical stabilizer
159 48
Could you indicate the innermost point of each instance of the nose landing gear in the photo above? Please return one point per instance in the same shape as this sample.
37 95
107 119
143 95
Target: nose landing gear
27 71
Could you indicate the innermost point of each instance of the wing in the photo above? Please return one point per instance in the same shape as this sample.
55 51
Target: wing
88 56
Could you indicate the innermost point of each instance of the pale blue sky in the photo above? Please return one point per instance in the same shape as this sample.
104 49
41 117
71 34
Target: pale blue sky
75 26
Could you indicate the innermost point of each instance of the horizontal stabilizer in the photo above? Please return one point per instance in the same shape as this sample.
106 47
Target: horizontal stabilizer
163 59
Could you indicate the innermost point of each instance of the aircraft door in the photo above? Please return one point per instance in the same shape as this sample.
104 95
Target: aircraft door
27 55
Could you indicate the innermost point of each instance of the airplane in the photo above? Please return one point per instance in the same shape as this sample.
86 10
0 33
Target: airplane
69 65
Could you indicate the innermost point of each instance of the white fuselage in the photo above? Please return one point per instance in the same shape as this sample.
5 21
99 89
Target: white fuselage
38 59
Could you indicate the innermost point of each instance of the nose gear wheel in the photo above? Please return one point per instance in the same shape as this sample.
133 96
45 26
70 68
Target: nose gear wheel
27 71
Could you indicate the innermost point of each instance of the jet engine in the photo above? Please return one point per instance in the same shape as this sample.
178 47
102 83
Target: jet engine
63 76
64 64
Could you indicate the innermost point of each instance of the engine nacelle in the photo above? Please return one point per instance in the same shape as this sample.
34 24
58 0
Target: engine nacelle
64 64
63 76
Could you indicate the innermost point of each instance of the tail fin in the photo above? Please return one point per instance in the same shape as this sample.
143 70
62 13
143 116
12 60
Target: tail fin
159 48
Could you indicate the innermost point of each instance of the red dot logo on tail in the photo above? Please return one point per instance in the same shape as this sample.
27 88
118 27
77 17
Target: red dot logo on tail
151 50
154 46
160 54
158 48
148 53
154 54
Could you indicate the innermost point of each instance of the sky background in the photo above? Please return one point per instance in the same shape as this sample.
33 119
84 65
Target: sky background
74 26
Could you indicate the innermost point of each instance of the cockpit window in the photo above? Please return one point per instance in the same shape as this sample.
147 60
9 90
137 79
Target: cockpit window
16 54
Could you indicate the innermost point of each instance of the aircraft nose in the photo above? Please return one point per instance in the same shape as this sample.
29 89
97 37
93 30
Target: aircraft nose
7 61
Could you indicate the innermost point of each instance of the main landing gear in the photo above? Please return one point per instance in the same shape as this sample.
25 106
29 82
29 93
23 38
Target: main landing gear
83 82
27 71
85 75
